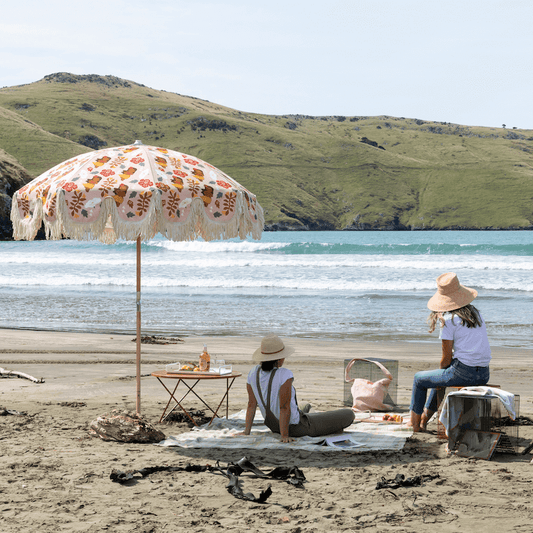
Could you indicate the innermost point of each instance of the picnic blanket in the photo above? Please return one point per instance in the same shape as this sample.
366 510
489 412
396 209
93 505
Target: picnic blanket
370 436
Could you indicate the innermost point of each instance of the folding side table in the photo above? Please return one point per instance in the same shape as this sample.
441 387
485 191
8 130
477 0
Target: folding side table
184 377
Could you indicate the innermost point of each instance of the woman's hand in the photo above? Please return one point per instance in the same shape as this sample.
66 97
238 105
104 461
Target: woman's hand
286 439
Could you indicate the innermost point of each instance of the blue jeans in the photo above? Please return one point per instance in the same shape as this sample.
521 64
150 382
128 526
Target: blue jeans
456 375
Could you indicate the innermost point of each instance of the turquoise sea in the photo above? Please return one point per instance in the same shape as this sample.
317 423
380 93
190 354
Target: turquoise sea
349 285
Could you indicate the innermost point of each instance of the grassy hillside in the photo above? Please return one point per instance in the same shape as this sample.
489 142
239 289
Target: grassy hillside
308 172
34 147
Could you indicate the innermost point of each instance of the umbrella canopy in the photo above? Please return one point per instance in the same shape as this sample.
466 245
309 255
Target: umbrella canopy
137 191
134 192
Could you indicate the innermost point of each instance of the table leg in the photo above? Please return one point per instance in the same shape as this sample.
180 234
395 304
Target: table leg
190 389
225 397
200 398
172 397
178 402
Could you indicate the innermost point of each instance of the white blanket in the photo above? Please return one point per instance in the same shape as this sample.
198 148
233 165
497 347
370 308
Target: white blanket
367 436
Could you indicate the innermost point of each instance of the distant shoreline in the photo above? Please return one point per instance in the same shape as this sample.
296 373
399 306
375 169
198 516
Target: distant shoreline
269 229
357 339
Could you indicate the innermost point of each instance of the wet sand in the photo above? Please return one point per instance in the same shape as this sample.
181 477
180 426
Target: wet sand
56 476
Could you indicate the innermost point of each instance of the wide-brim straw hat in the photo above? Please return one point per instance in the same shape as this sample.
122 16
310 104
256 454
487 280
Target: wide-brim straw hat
272 348
450 294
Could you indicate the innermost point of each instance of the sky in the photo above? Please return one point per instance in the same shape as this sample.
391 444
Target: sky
467 62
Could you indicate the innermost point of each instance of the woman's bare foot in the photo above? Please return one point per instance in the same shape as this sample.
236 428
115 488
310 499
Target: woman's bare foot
424 419
415 422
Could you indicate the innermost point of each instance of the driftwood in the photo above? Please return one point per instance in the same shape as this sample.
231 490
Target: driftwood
13 373
125 426
5 412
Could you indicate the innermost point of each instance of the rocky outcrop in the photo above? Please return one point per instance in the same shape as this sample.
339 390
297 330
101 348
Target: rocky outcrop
202 124
12 177
92 141
108 81
393 224
303 223
284 226
365 140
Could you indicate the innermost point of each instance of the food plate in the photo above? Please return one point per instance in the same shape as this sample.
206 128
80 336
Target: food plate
197 372
193 372
379 420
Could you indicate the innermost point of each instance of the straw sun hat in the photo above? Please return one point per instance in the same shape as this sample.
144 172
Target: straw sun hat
450 294
272 349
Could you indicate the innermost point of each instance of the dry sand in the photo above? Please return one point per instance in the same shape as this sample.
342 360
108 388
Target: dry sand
55 476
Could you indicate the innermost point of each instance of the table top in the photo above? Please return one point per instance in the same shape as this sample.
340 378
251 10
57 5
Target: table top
193 375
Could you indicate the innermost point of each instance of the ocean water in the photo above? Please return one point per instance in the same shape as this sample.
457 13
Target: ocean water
335 285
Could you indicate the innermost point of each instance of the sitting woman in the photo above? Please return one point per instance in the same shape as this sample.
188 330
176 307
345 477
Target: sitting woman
465 348
270 386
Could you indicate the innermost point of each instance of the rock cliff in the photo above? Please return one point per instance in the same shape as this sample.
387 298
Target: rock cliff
12 177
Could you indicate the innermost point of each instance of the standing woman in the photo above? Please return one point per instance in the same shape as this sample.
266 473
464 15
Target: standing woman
465 348
270 386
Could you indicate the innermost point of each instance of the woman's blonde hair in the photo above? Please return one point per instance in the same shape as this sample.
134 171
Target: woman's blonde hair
468 314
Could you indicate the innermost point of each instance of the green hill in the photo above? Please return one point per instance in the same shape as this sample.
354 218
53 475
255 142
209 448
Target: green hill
307 172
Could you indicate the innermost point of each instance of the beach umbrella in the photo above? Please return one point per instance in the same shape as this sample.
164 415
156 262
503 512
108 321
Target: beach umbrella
134 192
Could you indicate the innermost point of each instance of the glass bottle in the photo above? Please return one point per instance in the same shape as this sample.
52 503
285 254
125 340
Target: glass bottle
205 360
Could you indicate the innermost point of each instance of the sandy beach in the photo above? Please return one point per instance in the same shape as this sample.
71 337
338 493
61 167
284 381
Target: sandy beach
56 476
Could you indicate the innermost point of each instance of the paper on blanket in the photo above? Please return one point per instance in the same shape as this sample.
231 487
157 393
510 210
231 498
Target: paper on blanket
342 441
223 434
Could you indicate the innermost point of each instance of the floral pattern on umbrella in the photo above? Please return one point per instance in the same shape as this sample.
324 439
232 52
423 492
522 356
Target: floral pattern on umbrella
138 190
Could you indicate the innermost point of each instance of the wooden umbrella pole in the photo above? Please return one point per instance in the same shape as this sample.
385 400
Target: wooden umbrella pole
138 354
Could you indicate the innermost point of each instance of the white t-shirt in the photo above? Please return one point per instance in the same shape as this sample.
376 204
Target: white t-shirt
470 345
280 377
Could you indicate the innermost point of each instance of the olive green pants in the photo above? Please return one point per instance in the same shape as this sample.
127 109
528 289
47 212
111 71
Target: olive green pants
316 424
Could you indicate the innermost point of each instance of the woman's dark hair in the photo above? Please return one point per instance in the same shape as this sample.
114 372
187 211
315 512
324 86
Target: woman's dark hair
468 314
267 366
